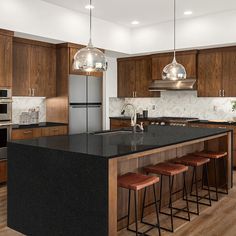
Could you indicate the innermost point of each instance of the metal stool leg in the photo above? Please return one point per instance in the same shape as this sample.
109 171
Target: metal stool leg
216 181
170 202
207 179
186 192
128 209
226 177
136 211
160 193
157 214
197 197
144 198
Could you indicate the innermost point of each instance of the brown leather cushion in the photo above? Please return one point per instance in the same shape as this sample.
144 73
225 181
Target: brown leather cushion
136 181
191 160
166 168
211 154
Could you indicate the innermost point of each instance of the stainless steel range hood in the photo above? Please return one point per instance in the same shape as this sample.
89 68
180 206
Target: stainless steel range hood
163 85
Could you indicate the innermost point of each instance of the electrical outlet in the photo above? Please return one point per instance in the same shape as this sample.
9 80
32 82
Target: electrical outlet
215 108
153 107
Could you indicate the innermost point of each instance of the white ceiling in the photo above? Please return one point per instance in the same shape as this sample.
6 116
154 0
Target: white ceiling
146 11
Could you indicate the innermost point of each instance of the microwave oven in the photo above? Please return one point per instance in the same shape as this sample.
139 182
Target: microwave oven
5 93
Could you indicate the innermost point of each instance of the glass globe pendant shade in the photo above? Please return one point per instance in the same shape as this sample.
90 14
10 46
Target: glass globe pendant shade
90 59
174 71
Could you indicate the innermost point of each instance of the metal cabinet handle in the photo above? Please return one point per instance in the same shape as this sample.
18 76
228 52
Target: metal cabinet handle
223 92
195 126
55 129
33 92
29 91
135 94
28 132
222 127
220 93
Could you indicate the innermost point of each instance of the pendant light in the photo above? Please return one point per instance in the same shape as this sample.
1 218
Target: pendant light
90 59
174 70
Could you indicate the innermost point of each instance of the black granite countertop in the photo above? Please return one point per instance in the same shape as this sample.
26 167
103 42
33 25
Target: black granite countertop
40 125
114 145
214 122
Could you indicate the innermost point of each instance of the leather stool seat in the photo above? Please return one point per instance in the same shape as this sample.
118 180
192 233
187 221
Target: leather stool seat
215 155
191 160
166 168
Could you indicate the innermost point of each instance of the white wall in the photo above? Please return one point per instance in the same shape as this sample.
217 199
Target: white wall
204 31
50 21
109 89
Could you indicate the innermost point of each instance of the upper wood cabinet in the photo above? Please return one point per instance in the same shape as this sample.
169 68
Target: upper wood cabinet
134 77
187 58
216 72
6 58
73 49
34 68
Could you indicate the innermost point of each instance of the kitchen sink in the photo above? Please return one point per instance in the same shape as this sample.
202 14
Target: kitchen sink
113 132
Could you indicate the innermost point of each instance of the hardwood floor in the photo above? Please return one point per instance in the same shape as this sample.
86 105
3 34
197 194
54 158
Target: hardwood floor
218 220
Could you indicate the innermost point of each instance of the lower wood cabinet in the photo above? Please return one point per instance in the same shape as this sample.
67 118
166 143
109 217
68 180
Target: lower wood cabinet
118 123
3 171
18 134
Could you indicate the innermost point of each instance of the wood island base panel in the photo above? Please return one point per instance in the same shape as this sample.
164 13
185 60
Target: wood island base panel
67 185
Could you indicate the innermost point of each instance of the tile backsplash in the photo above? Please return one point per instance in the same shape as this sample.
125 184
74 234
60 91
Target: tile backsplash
23 104
178 103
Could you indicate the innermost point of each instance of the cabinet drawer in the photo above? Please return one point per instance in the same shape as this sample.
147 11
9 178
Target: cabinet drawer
53 131
3 171
116 124
26 133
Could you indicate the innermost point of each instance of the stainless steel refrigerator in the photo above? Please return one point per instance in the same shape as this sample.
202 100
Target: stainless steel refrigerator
85 95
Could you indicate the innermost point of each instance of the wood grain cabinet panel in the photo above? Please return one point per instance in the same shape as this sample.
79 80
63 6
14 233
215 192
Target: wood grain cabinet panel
3 171
54 131
18 134
5 59
34 68
210 74
229 73
118 124
126 78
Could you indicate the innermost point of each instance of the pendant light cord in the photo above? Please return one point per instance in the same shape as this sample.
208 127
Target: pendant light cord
174 29
90 23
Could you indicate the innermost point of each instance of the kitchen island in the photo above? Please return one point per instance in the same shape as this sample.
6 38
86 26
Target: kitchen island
67 185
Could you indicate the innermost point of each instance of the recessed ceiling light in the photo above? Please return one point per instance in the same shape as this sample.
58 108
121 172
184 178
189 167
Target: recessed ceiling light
89 7
135 22
188 13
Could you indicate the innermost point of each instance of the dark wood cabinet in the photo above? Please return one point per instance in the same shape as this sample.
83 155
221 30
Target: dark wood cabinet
119 123
187 58
6 58
34 68
73 49
134 77
209 73
216 72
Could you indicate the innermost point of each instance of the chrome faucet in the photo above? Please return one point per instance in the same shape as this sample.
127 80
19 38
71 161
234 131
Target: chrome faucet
133 117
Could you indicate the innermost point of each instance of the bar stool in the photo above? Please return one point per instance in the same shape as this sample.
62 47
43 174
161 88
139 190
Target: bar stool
170 170
216 156
196 162
136 182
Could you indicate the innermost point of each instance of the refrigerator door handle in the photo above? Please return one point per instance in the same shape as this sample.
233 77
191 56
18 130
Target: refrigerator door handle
77 106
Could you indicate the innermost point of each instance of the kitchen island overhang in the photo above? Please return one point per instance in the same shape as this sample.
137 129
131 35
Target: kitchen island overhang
68 185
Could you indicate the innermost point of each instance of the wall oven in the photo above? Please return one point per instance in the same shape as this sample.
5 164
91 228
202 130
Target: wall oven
5 133
5 109
5 93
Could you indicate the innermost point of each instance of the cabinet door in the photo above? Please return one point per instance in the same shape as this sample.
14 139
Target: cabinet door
143 78
73 51
118 124
189 61
158 64
209 74
43 71
5 61
18 134
54 131
126 78
21 69
229 73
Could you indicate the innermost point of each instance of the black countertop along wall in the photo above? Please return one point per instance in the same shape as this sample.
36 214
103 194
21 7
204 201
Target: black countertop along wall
39 125
114 145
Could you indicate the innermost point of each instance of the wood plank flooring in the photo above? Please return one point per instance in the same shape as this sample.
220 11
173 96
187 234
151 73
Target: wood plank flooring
218 220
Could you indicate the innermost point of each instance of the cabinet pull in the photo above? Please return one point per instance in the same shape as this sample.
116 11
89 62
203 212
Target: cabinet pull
55 129
28 132
33 92
29 91
195 126
222 127
220 93
135 94
223 92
